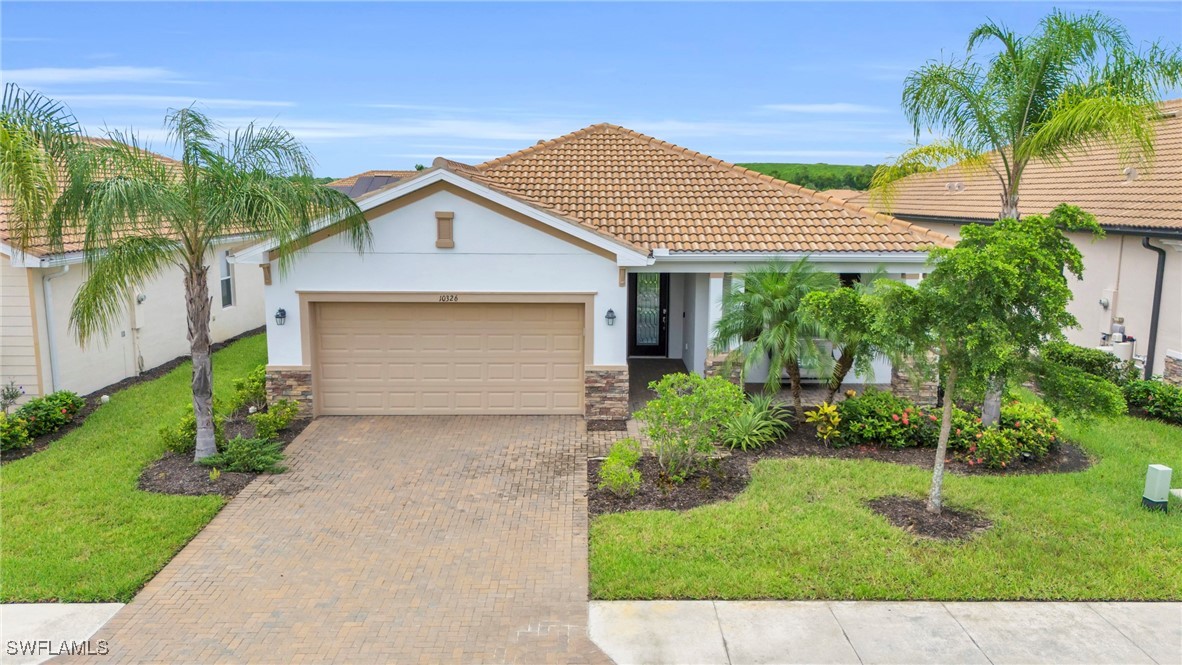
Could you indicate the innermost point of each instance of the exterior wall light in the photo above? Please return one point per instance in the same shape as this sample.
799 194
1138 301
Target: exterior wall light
280 317
610 317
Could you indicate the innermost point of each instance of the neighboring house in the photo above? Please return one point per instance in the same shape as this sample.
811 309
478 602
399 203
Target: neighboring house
1140 208
525 284
38 348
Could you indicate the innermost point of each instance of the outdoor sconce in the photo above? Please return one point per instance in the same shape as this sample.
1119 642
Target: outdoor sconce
281 317
610 317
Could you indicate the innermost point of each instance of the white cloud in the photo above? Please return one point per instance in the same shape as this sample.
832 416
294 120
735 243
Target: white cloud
834 107
168 101
114 74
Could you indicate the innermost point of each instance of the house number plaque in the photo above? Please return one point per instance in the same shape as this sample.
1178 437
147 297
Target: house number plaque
449 297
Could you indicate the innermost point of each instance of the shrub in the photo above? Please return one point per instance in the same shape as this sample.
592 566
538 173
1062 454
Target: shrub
773 410
248 456
618 473
827 419
966 428
880 418
749 429
1025 430
1158 399
44 415
268 424
1093 361
1070 390
9 394
182 437
250 390
13 432
686 418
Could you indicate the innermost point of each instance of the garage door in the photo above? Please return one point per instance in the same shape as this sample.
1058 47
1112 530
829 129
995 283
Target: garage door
441 358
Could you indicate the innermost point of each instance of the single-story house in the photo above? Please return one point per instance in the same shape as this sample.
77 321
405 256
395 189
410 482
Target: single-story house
1134 274
38 349
524 285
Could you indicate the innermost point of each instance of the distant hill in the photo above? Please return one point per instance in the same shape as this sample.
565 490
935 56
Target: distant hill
819 176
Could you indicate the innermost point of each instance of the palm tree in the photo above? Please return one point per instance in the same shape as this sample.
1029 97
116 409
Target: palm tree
846 317
1076 81
762 318
36 137
141 215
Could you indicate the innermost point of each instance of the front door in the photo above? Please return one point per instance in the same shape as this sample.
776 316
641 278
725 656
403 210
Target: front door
648 327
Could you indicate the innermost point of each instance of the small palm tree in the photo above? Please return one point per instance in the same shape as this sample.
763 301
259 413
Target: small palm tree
846 317
762 318
141 215
36 137
1078 80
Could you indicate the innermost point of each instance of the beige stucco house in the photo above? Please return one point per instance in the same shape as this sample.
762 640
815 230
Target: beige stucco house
39 351
1134 273
530 283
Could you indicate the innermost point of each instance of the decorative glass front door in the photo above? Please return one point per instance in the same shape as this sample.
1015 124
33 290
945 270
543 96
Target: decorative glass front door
648 332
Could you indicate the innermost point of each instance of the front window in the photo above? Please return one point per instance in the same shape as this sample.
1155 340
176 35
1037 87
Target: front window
227 274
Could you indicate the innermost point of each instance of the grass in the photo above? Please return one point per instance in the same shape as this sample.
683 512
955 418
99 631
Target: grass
76 529
801 531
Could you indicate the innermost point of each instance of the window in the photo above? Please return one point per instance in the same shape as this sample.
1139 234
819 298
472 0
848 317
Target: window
227 281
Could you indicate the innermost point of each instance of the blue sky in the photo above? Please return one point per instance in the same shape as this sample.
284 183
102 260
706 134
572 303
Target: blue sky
388 85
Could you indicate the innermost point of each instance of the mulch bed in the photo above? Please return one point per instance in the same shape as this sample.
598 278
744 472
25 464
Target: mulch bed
912 516
93 400
607 425
179 474
729 475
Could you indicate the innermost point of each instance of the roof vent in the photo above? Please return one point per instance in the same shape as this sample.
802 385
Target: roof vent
1130 173
954 187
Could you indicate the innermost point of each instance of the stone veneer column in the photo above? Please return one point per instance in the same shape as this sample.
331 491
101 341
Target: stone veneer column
1172 373
294 384
605 393
903 384
716 366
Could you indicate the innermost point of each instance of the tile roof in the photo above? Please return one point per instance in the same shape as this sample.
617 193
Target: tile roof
653 194
73 241
1148 197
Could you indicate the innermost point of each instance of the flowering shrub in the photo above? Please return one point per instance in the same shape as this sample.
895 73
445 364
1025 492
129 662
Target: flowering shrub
1157 398
10 394
1025 430
686 419
13 432
44 415
880 418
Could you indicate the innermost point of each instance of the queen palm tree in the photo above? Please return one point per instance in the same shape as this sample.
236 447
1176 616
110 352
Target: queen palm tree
141 215
36 136
1078 80
763 318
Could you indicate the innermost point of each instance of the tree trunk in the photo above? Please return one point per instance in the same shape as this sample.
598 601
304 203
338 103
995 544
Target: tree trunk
1009 206
935 500
794 381
845 362
197 305
991 409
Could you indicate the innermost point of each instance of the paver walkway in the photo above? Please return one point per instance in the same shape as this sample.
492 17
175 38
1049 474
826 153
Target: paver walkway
861 633
397 539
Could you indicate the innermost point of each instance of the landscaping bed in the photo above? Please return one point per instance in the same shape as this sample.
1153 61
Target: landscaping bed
912 515
177 473
728 475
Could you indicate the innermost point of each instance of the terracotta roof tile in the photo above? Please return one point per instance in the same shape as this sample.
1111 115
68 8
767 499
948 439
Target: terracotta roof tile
1093 178
658 195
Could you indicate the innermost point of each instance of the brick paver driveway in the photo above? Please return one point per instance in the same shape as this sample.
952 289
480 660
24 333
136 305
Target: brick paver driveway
400 539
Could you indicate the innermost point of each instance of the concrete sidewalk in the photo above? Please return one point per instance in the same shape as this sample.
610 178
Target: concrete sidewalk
702 632
36 632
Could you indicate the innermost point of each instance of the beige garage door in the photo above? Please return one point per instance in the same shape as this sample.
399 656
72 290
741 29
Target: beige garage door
440 358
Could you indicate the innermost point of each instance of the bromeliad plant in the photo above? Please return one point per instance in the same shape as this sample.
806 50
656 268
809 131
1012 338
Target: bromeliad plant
141 215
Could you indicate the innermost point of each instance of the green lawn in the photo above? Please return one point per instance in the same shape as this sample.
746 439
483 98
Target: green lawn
800 531
75 528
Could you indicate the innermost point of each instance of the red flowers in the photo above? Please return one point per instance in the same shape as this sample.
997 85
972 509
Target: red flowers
895 417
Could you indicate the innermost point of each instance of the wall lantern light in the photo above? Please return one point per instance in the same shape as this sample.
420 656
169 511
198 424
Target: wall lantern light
610 317
281 317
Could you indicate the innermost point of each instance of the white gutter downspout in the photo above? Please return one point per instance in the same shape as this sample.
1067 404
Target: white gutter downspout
47 296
